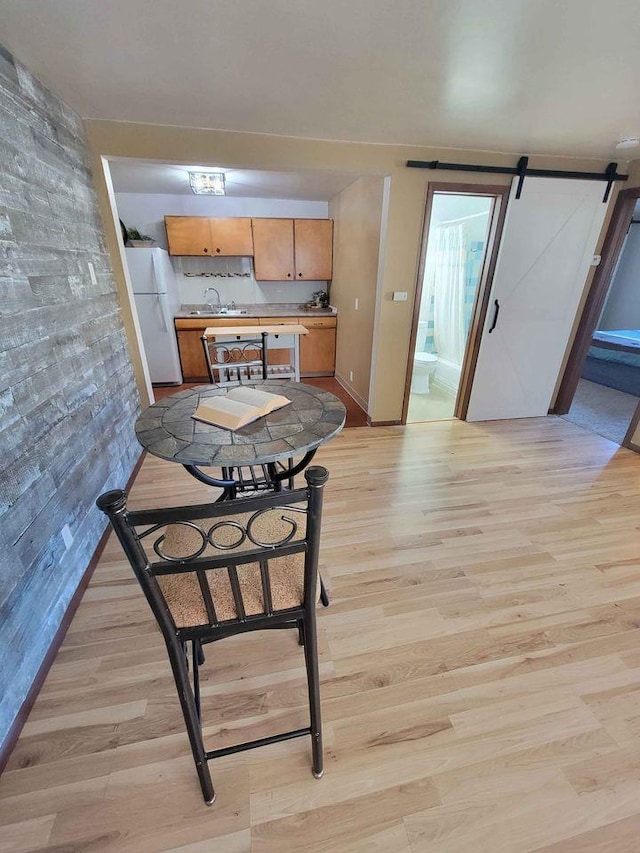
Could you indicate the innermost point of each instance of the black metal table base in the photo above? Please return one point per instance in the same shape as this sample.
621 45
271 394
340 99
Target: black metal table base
235 481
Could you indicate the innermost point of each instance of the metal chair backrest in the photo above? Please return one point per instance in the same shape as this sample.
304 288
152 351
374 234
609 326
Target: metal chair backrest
225 567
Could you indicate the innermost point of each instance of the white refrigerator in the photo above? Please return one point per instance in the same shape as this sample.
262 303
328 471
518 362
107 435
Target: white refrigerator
157 300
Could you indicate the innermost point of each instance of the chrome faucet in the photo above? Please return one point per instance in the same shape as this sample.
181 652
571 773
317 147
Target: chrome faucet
209 304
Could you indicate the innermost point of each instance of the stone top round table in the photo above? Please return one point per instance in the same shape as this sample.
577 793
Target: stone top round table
167 429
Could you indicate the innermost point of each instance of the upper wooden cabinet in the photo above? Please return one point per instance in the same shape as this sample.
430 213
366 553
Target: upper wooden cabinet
288 249
273 258
231 236
283 249
188 235
205 235
313 241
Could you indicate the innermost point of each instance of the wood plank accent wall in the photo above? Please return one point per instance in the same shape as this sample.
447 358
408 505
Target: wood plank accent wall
67 395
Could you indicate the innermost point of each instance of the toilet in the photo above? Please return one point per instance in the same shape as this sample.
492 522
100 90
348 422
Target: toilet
424 366
424 363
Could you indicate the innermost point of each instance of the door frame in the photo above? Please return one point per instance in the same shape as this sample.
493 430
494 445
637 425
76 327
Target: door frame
500 195
594 303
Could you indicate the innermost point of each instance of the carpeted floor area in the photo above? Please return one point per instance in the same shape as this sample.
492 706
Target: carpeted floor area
602 410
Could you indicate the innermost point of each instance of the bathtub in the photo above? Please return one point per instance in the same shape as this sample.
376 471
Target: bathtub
447 376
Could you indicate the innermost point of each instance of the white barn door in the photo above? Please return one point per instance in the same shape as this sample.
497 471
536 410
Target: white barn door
549 237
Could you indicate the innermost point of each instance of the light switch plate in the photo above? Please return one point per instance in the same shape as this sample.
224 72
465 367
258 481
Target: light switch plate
400 295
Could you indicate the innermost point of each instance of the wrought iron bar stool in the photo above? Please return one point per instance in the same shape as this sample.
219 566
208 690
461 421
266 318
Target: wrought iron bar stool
225 569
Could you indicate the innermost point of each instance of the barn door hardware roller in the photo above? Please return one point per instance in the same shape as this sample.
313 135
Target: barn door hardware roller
522 171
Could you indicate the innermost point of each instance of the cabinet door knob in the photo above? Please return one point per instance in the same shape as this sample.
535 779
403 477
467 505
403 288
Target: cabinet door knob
205 250
218 250
288 275
299 275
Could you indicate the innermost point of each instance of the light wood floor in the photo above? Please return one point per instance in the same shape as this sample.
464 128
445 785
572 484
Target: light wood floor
480 666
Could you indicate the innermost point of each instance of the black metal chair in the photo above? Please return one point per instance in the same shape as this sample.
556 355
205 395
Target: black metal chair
224 569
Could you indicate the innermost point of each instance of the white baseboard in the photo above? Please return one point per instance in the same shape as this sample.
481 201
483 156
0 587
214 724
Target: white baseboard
351 391
444 386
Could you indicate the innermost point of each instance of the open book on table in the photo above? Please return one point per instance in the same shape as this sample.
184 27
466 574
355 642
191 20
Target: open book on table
239 407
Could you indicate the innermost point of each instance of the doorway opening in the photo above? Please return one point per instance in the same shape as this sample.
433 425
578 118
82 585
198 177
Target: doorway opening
600 388
608 390
459 233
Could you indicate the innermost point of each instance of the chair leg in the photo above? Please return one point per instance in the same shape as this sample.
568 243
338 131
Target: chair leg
300 632
313 682
196 650
189 711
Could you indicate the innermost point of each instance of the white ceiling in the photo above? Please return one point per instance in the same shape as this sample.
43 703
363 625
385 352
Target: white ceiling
524 76
135 176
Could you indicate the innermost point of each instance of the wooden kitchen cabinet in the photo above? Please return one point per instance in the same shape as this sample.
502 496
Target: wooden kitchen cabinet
194 366
318 348
188 235
231 236
313 242
273 258
288 249
206 235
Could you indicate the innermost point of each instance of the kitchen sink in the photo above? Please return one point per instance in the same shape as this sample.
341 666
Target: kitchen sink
213 312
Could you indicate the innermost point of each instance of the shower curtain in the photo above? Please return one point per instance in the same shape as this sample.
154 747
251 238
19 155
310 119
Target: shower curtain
444 282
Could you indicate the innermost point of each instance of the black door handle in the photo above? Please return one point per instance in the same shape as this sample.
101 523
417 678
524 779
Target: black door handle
495 316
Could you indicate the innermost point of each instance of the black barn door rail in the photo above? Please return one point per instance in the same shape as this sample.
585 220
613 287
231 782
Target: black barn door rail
522 170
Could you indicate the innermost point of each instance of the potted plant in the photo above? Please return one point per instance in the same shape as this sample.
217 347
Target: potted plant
139 240
320 299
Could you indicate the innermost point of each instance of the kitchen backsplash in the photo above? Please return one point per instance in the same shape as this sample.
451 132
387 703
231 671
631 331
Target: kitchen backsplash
233 278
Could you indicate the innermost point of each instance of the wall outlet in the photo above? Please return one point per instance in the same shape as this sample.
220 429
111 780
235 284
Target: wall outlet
400 295
67 536
356 303
92 274
351 376
595 260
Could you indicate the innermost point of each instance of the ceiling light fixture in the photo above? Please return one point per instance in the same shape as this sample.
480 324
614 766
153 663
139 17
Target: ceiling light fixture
628 142
207 183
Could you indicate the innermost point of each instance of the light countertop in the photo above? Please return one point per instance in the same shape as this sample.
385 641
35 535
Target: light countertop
271 309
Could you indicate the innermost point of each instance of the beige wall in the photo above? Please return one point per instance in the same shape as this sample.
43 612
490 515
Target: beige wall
357 216
405 212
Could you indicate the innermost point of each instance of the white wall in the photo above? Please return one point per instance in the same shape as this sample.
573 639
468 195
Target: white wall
446 207
622 310
146 212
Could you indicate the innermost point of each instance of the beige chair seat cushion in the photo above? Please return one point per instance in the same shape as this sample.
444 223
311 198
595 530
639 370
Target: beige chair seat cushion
182 590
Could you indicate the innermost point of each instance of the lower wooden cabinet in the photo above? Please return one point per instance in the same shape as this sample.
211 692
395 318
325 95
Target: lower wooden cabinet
317 349
194 367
